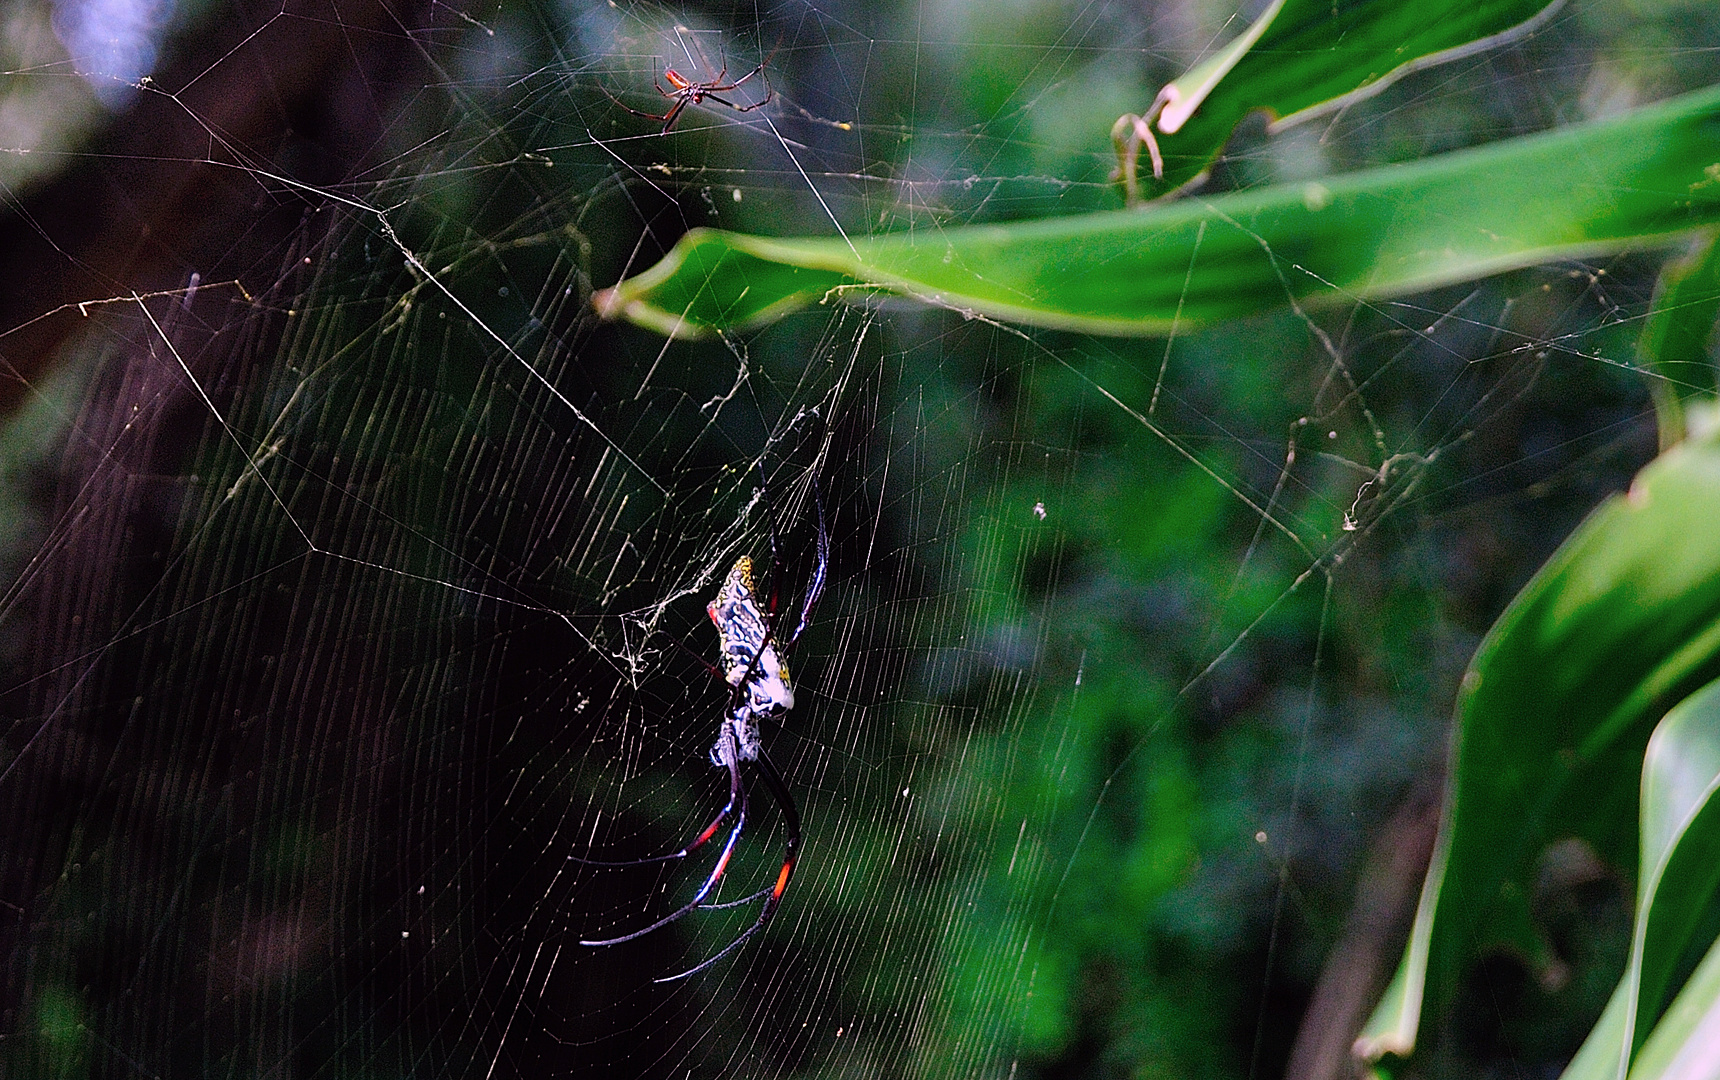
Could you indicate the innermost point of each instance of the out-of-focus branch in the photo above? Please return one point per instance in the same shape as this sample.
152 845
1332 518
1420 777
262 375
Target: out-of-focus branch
174 186
1358 967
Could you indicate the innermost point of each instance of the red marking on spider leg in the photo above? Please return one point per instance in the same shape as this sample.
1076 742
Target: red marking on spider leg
782 881
707 834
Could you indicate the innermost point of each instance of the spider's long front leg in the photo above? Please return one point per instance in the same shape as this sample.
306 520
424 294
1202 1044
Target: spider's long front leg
791 849
755 71
674 111
737 791
791 854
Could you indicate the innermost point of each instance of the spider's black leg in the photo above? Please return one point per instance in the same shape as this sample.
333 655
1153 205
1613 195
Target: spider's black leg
716 672
735 795
737 791
791 850
816 589
772 897
669 120
708 96
742 902
758 70
711 829
629 108
745 77
769 93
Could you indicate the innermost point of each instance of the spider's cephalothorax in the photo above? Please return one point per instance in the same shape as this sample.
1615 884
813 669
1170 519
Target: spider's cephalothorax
754 668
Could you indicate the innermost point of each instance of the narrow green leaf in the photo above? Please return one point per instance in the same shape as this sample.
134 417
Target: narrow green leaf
1634 181
1555 715
1679 875
1315 56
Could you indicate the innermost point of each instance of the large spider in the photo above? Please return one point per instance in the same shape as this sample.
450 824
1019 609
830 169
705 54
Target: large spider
754 668
687 92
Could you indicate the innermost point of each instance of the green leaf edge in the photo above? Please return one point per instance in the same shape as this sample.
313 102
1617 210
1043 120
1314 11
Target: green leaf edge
1221 83
1368 89
1187 92
1674 341
1690 1027
1392 1029
1678 834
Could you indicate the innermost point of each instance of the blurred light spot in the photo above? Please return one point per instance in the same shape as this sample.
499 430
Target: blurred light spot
113 43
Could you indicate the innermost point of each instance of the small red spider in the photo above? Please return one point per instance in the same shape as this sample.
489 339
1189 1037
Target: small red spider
692 92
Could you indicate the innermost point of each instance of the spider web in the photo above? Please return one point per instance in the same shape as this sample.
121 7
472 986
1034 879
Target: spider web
357 575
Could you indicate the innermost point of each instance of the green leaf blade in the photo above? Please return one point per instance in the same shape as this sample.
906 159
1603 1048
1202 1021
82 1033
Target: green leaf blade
1315 56
1638 181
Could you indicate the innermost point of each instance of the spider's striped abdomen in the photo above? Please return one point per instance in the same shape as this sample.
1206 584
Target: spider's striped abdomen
749 657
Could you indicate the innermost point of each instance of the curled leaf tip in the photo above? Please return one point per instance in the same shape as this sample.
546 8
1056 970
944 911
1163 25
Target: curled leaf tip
608 303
